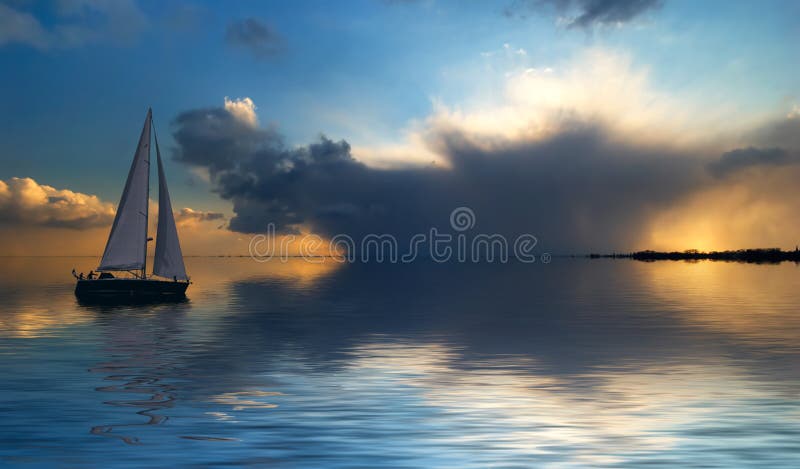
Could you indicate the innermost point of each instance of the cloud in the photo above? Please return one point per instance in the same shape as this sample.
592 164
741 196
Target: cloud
216 139
77 23
188 216
577 186
37 219
585 154
255 36
751 157
20 27
25 202
580 172
243 109
781 132
586 13
596 85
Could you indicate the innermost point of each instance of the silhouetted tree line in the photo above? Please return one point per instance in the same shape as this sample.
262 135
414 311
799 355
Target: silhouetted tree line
756 256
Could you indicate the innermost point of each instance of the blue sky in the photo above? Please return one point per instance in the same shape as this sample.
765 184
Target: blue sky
364 71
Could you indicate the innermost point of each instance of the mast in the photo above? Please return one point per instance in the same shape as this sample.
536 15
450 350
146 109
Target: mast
147 205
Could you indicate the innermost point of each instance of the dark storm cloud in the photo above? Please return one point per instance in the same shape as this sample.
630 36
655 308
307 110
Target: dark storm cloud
587 13
578 189
744 158
255 36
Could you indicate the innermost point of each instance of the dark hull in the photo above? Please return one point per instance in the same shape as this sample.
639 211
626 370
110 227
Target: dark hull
122 288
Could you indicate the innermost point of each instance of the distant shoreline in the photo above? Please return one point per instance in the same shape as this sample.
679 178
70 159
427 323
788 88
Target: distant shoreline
752 256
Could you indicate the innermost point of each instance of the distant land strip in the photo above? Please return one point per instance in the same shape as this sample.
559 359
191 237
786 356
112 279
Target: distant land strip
755 256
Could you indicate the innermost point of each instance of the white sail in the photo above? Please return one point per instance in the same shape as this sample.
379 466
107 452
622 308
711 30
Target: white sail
127 244
168 259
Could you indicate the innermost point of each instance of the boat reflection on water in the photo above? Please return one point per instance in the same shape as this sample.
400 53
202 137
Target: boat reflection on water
426 365
108 303
140 371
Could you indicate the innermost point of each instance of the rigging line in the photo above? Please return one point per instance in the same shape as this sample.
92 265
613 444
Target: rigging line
155 137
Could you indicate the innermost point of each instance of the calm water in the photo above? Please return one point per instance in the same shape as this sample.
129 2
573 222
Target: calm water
574 363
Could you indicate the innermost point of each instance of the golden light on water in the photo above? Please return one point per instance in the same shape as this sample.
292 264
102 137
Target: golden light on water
744 301
210 270
31 322
56 309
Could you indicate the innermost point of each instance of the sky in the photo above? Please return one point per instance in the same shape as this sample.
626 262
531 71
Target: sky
596 125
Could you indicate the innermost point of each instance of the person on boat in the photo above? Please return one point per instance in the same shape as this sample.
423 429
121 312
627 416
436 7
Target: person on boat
91 275
74 274
174 278
80 277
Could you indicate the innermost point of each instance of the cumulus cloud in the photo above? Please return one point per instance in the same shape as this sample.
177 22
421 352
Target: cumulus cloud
255 36
586 13
243 109
216 139
25 202
77 23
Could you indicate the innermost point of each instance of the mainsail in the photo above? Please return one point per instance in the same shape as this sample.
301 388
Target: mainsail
169 259
127 244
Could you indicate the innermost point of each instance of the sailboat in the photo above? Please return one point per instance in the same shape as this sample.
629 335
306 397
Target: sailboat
123 268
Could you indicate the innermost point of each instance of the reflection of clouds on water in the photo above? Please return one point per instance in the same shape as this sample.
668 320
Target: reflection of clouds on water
33 321
574 362
500 406
571 317
221 416
746 302
243 400
37 298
